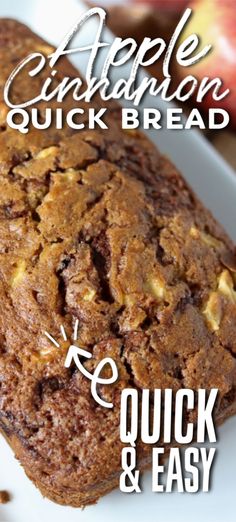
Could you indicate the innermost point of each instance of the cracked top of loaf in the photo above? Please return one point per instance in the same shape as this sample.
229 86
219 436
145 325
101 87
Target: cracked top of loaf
98 226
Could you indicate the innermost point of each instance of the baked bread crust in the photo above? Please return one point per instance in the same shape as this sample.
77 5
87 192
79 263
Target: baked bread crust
98 226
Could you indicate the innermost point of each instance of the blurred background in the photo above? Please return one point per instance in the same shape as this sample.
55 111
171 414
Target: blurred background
213 20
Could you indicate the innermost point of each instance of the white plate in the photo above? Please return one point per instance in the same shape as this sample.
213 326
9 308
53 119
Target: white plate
215 183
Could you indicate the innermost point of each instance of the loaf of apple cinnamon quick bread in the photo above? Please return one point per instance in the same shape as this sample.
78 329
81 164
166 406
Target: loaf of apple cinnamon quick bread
98 227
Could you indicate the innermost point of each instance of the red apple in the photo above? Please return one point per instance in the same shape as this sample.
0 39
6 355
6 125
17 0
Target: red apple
214 21
165 5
